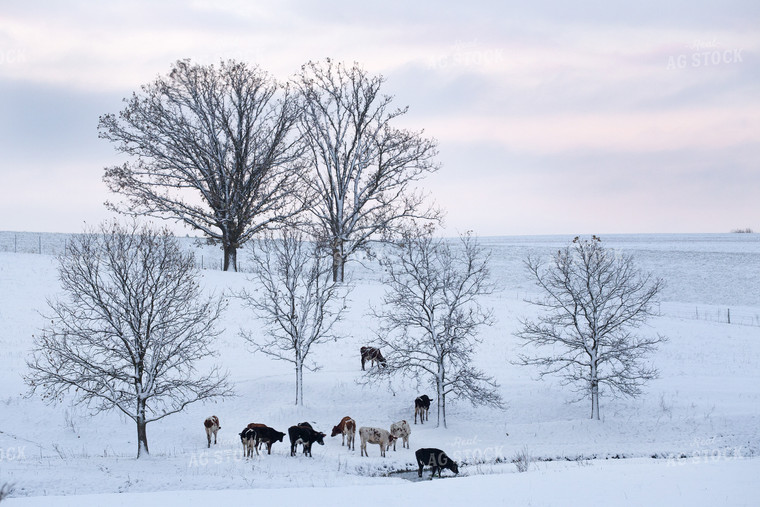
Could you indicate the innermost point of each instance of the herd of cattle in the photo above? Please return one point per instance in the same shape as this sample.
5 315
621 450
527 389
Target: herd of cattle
304 434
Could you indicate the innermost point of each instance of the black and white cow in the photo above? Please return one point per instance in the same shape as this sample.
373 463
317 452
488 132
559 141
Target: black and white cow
421 407
435 458
372 355
248 439
304 435
266 435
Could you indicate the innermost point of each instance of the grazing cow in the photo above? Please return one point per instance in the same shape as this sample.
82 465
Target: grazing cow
248 439
435 458
421 407
347 428
375 436
304 435
401 430
266 435
372 355
212 426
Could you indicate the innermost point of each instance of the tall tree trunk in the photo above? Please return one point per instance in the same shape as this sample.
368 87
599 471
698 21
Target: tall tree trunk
142 435
230 257
594 391
440 400
299 380
443 407
338 261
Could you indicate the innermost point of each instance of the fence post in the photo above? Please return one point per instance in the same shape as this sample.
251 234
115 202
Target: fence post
728 312
39 244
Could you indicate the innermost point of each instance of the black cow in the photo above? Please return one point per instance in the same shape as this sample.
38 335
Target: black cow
248 439
421 407
435 458
269 436
372 355
304 435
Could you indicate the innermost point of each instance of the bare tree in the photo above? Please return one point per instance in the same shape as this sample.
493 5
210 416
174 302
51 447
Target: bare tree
592 300
362 167
214 148
129 328
431 314
298 301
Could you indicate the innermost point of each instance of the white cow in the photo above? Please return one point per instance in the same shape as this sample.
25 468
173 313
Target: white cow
401 430
375 436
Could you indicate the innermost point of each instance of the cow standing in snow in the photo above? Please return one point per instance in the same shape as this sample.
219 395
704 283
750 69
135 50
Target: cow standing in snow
347 428
375 436
212 426
248 439
421 407
401 430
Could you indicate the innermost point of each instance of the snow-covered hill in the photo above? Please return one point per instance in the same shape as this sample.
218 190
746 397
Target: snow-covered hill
700 421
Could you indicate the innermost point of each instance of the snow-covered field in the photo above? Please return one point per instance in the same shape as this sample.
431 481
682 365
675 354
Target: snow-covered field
693 438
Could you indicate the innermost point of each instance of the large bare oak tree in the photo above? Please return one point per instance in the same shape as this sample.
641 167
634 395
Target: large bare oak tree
129 328
593 299
362 167
211 147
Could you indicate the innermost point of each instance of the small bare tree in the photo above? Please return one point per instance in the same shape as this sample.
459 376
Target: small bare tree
298 300
431 314
214 148
592 300
361 167
129 329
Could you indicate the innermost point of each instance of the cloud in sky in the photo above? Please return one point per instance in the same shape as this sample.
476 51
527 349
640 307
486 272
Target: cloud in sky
553 117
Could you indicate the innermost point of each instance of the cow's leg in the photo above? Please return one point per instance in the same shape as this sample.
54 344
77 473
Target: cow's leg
419 472
215 432
208 437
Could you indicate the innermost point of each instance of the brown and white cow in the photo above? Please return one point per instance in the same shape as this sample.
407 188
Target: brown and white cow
212 426
375 436
347 428
372 355
401 430
421 407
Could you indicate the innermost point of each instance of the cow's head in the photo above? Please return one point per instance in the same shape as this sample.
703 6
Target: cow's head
335 431
278 436
320 438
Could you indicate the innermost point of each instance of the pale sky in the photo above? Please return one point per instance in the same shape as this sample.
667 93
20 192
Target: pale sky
554 117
